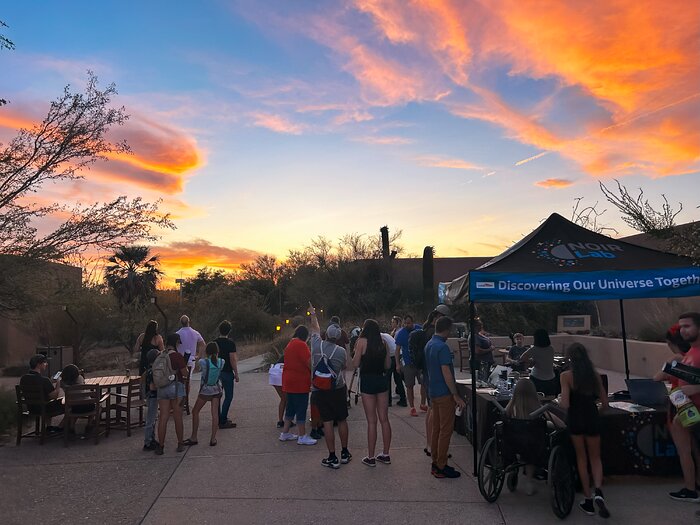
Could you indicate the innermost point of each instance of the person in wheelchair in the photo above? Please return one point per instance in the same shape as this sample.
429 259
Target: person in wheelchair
528 440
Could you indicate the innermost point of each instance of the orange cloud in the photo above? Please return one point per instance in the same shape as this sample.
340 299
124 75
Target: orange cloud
276 123
435 25
554 183
188 256
161 154
621 56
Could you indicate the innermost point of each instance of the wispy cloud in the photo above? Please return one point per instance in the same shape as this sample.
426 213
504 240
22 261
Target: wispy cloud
383 140
276 123
441 162
554 183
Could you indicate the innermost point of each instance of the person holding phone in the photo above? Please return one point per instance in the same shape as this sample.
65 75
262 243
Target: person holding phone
36 377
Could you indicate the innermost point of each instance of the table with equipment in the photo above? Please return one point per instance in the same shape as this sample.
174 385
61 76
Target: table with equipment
633 440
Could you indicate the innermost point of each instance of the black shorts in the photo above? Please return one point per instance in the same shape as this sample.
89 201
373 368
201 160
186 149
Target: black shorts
332 404
373 383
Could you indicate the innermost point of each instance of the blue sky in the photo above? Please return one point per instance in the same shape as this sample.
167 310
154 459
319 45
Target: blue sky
265 124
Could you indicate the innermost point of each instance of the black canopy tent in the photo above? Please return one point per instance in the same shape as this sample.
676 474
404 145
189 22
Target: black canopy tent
561 261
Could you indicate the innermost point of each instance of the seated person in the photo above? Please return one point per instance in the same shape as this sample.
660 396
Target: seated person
38 365
524 402
71 376
515 352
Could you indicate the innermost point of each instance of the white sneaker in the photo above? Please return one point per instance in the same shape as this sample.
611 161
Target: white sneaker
306 440
288 436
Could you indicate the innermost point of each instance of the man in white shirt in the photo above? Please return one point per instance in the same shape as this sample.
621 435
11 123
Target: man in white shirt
192 344
400 390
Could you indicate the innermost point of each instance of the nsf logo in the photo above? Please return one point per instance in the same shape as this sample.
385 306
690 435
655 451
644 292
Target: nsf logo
572 253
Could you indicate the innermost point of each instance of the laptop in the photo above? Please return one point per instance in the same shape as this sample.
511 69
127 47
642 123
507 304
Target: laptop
647 392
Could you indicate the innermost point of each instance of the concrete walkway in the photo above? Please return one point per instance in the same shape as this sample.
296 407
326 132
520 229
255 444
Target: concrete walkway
251 477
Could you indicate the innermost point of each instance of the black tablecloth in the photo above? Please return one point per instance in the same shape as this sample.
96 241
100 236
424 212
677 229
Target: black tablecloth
631 443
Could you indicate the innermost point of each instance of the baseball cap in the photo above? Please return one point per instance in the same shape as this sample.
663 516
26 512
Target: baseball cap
333 332
443 309
36 360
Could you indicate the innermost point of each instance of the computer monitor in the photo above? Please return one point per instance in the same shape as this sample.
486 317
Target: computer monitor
647 392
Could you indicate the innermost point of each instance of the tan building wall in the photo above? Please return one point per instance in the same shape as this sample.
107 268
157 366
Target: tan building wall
20 338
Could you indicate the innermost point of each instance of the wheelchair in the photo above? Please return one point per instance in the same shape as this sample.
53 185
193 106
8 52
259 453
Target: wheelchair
520 442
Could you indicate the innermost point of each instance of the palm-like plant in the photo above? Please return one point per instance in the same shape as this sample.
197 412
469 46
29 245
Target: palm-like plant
133 274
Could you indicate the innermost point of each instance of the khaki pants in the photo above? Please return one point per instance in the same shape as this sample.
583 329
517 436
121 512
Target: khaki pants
443 409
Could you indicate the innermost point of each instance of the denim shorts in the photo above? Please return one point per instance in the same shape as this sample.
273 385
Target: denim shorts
296 407
174 390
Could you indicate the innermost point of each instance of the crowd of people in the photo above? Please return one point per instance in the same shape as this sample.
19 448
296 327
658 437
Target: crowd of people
312 371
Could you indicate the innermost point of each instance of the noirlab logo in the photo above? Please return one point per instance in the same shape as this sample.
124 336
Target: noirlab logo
572 253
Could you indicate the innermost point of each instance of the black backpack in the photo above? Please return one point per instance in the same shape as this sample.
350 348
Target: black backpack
416 347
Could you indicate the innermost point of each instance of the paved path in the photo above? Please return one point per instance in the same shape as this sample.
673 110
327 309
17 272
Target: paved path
251 477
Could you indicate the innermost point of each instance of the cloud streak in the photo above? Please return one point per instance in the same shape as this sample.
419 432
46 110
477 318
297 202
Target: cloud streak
440 162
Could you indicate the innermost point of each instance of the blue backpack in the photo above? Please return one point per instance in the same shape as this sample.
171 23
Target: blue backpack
211 376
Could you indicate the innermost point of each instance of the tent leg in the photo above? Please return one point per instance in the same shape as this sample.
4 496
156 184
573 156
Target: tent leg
624 339
472 366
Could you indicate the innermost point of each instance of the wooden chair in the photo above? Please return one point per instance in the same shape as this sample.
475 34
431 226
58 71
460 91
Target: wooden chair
85 402
126 403
32 402
463 354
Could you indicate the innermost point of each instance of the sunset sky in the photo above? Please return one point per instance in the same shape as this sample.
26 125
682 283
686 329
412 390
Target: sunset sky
263 124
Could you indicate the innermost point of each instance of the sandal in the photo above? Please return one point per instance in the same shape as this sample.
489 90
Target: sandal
189 443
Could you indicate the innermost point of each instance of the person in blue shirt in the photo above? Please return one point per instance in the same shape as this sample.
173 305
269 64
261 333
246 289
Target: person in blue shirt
443 396
404 365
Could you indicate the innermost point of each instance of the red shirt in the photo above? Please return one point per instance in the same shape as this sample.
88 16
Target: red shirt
296 374
178 363
691 358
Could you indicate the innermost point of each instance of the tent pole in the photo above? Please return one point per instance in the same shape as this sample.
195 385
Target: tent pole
624 339
472 366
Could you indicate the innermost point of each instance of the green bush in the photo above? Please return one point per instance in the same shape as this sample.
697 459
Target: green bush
8 410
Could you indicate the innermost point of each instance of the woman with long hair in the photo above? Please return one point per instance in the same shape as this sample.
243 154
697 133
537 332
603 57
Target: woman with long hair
581 386
373 359
149 339
541 355
524 402
209 390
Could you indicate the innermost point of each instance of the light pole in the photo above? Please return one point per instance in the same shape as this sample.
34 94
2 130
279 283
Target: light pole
154 302
76 335
180 282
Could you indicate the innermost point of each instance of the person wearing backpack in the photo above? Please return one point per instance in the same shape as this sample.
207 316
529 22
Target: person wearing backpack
209 390
169 370
405 365
328 390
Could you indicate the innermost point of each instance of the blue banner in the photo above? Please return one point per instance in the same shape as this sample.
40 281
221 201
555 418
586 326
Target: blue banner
583 286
